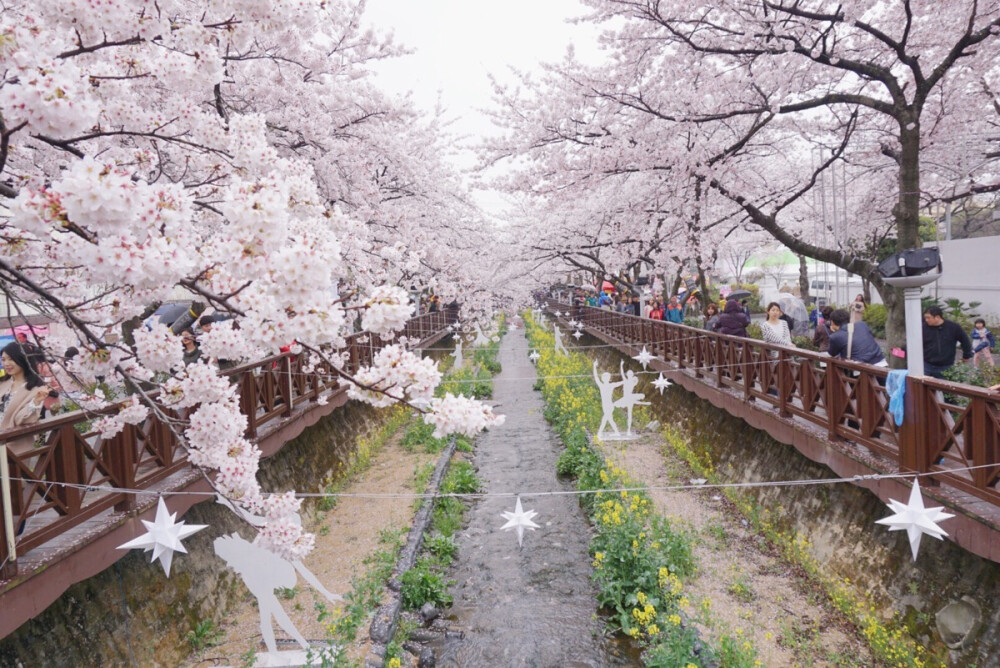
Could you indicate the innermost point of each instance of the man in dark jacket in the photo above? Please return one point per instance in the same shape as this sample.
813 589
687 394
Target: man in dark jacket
864 347
733 320
940 338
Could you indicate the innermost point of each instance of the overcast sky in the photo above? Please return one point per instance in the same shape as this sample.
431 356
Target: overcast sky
459 43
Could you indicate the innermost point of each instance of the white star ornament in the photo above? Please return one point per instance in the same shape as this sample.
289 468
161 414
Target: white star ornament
644 358
534 356
661 384
519 520
577 335
163 536
915 519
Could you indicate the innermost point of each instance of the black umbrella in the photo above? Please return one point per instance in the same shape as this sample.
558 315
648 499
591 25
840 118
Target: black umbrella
739 294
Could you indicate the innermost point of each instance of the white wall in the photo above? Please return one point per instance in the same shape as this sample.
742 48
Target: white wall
971 273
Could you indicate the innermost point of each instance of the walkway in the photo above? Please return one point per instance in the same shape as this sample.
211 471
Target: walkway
836 412
533 606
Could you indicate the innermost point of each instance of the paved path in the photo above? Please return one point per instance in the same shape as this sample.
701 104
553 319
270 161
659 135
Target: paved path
533 606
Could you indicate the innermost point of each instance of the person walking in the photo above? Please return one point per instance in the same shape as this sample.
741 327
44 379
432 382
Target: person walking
775 328
982 344
733 320
940 338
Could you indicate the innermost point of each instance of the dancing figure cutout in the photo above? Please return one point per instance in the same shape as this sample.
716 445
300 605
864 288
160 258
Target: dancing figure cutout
607 390
263 571
560 348
630 398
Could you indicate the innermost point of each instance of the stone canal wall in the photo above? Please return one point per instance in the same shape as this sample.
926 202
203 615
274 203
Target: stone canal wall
838 521
131 615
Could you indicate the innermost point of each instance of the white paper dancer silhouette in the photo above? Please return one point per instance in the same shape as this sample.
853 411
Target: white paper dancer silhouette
607 390
481 339
560 348
630 398
459 361
262 572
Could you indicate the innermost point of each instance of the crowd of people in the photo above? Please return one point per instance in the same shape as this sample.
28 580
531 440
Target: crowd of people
840 333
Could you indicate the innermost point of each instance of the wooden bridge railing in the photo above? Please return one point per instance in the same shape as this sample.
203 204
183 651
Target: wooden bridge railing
949 427
72 472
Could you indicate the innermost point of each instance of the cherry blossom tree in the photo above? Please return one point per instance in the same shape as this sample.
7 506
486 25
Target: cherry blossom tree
236 153
755 101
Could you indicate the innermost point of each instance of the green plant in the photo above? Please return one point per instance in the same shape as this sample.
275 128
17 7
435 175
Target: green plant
287 593
753 331
447 515
421 475
753 301
248 659
442 547
718 531
741 589
736 651
804 342
461 479
980 376
463 444
205 633
421 585
366 590
875 317
420 435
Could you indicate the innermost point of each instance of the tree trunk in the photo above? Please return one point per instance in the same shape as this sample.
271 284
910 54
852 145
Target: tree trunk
804 280
907 215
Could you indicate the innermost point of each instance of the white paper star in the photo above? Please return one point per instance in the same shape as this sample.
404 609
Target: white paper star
644 358
574 323
916 519
163 537
577 335
534 356
519 520
661 384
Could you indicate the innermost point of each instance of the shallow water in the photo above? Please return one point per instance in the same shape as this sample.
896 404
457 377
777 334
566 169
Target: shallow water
533 606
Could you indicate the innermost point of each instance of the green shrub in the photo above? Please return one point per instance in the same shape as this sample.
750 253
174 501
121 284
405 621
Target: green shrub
443 548
447 515
421 585
205 633
753 301
875 317
804 342
420 436
461 479
753 331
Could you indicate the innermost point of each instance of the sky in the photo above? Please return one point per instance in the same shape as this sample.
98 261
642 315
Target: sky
457 44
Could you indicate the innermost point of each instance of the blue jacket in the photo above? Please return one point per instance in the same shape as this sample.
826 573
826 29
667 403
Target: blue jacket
675 314
982 339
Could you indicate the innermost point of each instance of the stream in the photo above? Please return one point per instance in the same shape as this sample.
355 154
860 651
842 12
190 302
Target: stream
533 606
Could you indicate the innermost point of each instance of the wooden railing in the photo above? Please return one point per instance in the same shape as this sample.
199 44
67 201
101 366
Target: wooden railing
73 474
949 427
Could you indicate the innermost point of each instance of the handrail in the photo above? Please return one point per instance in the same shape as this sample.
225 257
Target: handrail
89 468
940 436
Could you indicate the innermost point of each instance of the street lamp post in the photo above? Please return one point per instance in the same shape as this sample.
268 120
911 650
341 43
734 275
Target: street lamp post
909 270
